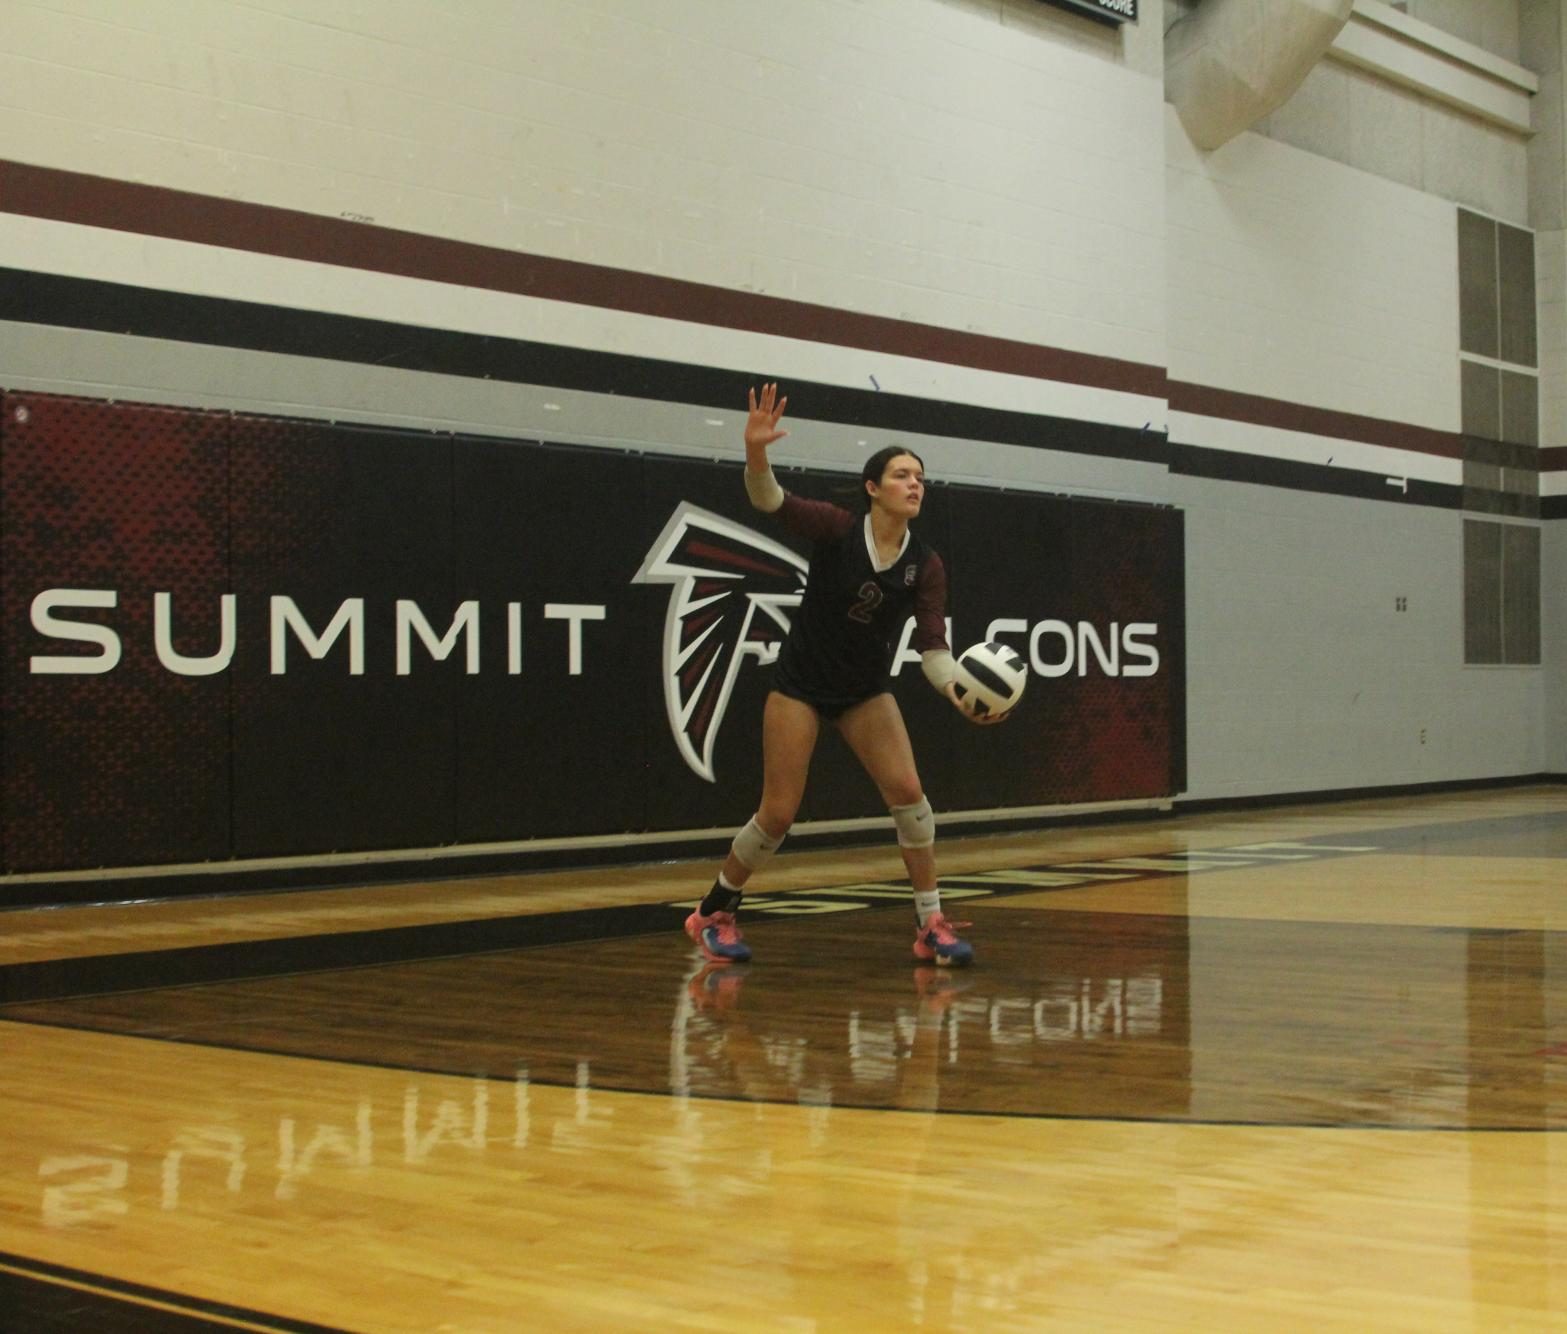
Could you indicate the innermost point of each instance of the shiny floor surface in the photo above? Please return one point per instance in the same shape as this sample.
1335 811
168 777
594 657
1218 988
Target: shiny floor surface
1296 1068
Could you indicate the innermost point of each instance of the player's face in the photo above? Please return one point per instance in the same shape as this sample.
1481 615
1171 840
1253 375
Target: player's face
902 489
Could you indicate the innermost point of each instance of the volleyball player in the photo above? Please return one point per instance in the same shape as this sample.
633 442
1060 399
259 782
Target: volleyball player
868 573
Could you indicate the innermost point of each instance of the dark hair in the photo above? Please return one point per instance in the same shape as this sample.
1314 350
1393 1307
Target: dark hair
877 464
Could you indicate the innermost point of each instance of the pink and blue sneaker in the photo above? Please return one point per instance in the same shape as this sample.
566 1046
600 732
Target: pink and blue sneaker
936 941
719 937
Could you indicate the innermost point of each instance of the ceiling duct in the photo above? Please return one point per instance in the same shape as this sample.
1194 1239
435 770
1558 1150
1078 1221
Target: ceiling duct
1228 63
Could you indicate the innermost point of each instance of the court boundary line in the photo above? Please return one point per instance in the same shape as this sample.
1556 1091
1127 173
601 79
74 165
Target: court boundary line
670 913
216 963
146 1297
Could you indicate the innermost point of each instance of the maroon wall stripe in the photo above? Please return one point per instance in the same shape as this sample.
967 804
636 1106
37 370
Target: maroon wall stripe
97 201
1554 459
1203 400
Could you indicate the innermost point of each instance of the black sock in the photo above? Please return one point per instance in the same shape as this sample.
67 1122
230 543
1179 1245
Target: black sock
720 898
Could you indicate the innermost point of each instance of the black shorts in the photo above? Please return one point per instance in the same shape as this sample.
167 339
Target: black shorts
830 705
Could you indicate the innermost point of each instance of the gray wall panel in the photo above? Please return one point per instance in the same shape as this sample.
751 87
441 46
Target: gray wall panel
1303 675
1553 707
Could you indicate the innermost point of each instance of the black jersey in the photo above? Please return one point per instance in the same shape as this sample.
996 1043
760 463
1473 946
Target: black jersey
840 646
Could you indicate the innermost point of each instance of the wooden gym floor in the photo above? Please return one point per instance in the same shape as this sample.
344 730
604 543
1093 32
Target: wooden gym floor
1302 1068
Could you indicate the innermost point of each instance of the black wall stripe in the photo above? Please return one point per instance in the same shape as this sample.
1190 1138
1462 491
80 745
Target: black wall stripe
79 303
90 304
1228 466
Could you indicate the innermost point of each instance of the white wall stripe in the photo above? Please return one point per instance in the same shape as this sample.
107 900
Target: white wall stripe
102 254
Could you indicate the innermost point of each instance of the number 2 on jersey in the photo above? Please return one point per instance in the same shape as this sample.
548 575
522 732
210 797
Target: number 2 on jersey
870 598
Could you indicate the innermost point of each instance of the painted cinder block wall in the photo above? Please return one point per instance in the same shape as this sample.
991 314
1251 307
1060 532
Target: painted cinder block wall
1553 579
994 168
1310 282
991 169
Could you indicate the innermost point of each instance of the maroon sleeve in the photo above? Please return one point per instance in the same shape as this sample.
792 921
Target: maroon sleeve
816 520
930 606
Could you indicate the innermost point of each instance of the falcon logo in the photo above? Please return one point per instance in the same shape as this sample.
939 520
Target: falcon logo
722 574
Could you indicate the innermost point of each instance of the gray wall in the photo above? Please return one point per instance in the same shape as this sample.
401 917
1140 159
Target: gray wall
1553 582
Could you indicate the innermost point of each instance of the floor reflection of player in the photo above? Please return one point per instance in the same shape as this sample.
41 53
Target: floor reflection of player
866 577
769 1056
801 1077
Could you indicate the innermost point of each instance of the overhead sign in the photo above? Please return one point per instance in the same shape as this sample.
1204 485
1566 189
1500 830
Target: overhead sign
1106 11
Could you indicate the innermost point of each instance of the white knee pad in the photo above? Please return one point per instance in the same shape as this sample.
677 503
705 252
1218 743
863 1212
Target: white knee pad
916 824
753 845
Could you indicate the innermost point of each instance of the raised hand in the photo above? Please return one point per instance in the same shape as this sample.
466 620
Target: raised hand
761 425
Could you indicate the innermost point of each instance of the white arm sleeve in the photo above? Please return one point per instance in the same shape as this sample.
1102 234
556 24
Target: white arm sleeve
766 495
939 667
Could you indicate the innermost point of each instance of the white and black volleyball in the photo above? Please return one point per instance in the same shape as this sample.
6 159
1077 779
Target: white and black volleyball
990 679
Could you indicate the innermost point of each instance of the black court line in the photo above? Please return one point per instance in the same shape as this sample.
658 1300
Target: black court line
564 928
53 1299
155 970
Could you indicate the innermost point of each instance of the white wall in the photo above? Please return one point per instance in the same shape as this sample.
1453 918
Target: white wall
989 166
1296 277
1406 127
1492 25
940 162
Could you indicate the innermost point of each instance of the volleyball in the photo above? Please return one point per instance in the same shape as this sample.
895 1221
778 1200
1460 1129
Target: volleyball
990 679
